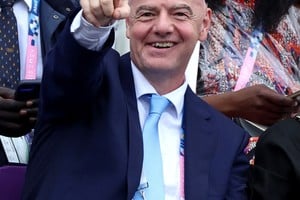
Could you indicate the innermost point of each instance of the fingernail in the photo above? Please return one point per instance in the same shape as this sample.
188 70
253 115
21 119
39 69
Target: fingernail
33 119
29 103
23 112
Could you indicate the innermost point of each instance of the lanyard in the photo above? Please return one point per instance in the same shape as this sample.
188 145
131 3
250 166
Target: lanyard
181 166
32 41
249 61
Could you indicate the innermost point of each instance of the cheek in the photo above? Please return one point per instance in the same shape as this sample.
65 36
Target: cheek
189 30
138 32
137 38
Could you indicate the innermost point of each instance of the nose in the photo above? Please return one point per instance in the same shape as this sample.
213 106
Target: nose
163 24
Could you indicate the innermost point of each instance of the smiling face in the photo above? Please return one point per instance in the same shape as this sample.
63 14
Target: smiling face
163 34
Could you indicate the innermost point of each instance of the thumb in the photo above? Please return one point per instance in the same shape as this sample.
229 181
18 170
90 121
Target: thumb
7 93
122 10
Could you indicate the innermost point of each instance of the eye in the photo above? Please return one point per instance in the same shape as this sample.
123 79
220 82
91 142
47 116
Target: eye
181 15
182 12
145 15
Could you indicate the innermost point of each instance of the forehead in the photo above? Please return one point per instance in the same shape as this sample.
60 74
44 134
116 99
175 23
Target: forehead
166 3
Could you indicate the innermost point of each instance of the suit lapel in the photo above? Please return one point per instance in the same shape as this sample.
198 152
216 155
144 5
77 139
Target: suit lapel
199 134
135 144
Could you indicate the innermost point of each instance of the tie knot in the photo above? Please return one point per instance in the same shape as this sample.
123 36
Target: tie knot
158 104
6 3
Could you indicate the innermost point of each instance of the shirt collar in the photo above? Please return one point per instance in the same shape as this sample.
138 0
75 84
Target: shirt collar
28 3
142 87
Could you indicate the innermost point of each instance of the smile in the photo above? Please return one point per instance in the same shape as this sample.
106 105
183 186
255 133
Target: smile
163 44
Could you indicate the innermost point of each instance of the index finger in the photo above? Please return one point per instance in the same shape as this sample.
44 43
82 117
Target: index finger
7 93
11 104
281 100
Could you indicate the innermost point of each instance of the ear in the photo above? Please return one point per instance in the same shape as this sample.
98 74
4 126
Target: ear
205 25
127 28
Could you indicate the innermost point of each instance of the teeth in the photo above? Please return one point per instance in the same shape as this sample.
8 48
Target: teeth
162 44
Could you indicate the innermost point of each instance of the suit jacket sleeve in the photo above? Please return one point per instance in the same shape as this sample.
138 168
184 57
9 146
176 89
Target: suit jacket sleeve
72 76
276 171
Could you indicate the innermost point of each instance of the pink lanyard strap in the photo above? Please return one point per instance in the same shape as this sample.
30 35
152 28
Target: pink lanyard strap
32 41
181 166
249 61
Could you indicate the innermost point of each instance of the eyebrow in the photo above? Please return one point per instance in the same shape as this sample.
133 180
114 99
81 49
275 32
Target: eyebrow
153 8
145 7
183 6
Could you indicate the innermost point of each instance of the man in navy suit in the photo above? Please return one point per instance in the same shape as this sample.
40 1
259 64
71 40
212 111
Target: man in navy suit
88 142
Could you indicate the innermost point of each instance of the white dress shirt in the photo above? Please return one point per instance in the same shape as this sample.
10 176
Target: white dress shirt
170 122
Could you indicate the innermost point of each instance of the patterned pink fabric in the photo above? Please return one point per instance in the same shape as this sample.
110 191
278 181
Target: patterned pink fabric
278 60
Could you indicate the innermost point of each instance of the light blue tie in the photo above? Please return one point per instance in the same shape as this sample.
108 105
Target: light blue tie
152 164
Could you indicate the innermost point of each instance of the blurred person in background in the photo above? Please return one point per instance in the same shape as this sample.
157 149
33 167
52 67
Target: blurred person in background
17 118
250 61
275 174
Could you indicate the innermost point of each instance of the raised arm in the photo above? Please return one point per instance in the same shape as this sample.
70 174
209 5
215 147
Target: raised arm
73 74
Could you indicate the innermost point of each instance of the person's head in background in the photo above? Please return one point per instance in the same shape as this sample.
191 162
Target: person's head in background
162 36
267 14
215 4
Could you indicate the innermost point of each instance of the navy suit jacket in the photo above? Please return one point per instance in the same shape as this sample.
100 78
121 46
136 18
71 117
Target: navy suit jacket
88 141
53 14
